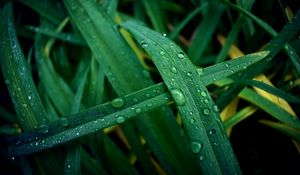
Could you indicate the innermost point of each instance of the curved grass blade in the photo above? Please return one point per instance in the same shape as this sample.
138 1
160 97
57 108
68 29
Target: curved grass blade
199 114
287 130
270 89
26 100
161 132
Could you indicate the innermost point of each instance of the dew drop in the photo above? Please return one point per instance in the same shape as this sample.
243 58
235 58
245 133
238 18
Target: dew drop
120 119
178 96
117 103
200 71
206 111
215 108
206 101
24 105
164 34
192 121
77 133
144 44
43 128
138 110
174 70
226 65
196 147
147 95
29 97
212 132
189 74
201 158
63 122
162 53
180 55
203 94
149 105
69 166
191 112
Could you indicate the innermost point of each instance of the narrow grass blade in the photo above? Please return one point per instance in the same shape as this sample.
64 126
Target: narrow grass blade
110 6
185 21
8 116
90 165
286 129
192 99
18 78
270 89
156 14
72 162
239 116
205 31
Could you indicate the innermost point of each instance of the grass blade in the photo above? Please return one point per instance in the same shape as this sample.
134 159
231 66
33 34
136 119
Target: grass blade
189 94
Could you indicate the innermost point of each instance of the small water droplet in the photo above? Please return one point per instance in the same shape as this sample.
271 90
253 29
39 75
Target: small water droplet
212 132
192 121
43 128
178 96
24 105
201 158
164 34
147 95
206 101
215 108
173 69
117 103
189 74
226 65
162 53
63 122
206 111
138 110
69 166
203 94
13 158
196 147
180 55
77 133
191 112
210 164
29 97
200 71
19 89
120 119
149 105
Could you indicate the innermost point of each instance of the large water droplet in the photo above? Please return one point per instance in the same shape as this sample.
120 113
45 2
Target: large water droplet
63 122
206 111
178 96
43 128
180 55
120 119
117 103
196 147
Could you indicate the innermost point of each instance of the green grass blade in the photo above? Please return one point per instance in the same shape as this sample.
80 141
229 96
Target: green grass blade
288 33
91 166
110 6
205 31
185 21
239 116
193 101
287 130
18 78
99 30
156 14
72 162
7 116
275 91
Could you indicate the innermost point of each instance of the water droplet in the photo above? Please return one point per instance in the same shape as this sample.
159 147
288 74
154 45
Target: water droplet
147 95
24 105
13 158
43 128
226 65
210 164
191 112
19 89
180 55
69 166
149 105
138 110
212 132
77 133
164 34
215 108
203 94
192 121
174 70
189 74
29 97
201 158
206 101
196 147
117 103
206 111
63 122
120 119
200 71
178 96
162 53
